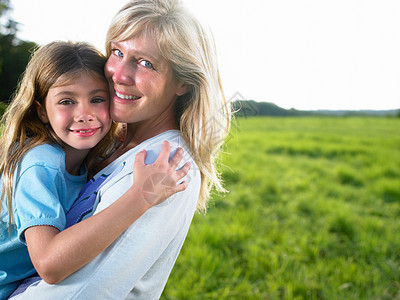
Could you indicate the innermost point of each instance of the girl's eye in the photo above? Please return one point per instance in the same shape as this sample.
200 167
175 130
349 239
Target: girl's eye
117 52
98 100
66 102
146 64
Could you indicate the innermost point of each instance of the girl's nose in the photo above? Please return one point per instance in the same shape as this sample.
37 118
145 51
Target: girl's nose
85 114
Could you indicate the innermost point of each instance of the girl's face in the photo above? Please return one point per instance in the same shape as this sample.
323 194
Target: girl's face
142 84
78 111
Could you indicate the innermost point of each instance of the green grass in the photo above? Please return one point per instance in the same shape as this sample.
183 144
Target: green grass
3 107
313 212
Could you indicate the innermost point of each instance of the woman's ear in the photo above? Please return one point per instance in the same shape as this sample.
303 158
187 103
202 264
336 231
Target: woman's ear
182 89
41 112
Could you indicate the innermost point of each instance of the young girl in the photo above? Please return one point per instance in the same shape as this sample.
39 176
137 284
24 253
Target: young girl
54 129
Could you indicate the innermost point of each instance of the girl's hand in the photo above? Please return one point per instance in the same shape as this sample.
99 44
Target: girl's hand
159 181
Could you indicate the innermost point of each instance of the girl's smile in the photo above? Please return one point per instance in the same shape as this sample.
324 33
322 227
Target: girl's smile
85 132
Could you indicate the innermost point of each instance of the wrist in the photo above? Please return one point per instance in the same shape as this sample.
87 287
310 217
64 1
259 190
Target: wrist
137 198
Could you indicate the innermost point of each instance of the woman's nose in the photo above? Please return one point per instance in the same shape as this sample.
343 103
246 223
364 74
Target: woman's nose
122 73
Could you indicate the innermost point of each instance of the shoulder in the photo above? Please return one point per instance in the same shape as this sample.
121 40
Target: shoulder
124 166
153 146
45 152
51 156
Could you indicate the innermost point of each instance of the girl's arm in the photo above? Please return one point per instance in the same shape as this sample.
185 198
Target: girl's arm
56 255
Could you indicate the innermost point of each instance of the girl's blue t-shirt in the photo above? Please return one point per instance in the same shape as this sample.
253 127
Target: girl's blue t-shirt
44 191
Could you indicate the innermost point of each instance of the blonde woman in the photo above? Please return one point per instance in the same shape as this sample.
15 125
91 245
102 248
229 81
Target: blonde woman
165 85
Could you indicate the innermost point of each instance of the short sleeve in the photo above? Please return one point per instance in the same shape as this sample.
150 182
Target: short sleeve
37 197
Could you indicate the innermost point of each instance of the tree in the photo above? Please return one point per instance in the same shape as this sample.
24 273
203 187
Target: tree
4 7
14 53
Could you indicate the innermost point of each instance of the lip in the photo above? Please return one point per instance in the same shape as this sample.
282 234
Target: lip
85 132
124 98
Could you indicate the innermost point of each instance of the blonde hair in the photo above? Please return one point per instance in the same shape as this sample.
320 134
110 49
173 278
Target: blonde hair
203 114
22 129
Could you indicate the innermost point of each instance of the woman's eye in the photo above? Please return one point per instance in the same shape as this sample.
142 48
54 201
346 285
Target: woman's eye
117 52
146 64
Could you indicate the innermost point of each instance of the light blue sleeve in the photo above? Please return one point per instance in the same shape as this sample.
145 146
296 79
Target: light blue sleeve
37 197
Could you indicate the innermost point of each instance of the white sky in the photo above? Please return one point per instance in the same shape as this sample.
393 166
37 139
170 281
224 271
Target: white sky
305 54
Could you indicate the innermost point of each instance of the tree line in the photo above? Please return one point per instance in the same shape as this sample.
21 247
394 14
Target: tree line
251 108
14 53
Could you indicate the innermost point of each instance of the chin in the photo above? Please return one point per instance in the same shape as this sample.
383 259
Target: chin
117 119
119 116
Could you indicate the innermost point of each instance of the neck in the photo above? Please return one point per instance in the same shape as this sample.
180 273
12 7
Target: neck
74 159
137 133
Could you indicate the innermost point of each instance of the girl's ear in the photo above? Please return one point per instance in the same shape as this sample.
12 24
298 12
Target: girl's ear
41 112
182 89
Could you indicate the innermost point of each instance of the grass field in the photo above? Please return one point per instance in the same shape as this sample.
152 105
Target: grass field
313 212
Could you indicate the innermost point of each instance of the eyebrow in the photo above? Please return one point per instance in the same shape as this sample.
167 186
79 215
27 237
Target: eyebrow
72 93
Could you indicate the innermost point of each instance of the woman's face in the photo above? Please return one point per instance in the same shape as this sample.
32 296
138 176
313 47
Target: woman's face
143 88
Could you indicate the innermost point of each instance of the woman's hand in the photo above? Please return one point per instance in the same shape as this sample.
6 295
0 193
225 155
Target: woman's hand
160 180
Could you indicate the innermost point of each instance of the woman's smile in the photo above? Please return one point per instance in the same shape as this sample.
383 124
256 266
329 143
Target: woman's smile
127 97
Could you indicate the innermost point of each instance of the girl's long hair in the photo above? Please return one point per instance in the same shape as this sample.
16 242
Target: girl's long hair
22 129
203 114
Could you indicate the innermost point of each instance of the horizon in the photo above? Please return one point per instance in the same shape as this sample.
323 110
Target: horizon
320 110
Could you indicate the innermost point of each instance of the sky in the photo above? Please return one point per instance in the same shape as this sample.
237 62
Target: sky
302 54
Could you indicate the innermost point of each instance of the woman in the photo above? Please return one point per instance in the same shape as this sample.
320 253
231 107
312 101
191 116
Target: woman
165 86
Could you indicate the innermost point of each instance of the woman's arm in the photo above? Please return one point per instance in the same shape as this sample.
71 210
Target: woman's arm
56 255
